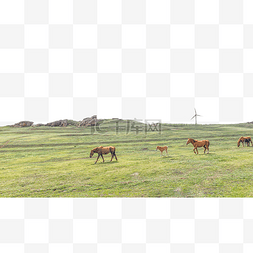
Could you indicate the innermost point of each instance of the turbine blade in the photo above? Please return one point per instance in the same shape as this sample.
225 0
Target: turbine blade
193 117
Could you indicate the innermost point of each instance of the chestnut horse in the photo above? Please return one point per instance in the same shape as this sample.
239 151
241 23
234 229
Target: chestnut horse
196 144
244 140
162 149
103 151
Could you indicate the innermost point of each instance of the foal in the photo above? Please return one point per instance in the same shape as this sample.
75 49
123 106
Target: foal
162 149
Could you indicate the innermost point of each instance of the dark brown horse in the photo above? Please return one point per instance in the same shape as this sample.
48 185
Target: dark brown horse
205 144
103 151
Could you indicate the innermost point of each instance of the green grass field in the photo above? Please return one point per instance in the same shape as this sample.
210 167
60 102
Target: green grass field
54 162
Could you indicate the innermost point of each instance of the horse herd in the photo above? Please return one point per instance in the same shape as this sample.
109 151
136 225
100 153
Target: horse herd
196 144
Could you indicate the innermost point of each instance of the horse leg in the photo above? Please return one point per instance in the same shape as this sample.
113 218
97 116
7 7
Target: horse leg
103 158
197 151
115 157
112 156
97 158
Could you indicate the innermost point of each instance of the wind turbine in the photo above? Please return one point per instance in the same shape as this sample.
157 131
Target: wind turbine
195 116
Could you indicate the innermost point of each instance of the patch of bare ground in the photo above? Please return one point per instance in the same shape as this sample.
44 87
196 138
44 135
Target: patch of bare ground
5 143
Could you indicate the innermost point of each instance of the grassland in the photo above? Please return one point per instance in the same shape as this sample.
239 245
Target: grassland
54 162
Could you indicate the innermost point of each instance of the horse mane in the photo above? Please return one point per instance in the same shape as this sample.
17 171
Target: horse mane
241 139
95 149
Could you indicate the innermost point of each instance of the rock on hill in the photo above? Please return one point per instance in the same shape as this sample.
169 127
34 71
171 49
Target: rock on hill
61 123
23 124
92 121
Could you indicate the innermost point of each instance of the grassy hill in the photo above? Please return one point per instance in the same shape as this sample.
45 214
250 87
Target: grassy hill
54 162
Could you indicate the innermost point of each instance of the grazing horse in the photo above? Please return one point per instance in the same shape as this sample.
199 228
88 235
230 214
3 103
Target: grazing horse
103 151
244 140
205 144
162 149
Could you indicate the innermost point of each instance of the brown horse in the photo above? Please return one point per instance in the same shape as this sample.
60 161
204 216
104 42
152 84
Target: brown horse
162 149
196 144
103 151
244 140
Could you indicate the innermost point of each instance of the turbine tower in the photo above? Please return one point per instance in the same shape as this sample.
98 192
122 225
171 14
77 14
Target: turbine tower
195 116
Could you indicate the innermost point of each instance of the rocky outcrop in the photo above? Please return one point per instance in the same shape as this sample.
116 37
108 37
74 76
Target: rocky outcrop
60 123
39 124
91 121
23 124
